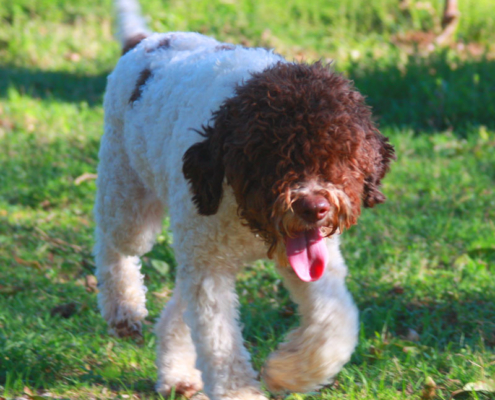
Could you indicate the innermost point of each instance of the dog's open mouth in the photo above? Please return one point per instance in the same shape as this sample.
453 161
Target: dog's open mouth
307 254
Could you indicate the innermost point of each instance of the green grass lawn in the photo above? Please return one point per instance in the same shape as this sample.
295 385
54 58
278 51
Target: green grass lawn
421 266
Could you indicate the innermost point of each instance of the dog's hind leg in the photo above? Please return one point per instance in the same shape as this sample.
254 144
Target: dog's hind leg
128 218
176 355
316 351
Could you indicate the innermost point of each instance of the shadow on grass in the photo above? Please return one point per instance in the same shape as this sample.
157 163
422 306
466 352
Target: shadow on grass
62 86
449 322
434 93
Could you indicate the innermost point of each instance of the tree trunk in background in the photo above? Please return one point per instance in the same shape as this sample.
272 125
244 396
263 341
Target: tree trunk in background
450 21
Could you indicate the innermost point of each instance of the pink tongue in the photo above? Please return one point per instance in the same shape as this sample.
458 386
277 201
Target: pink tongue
308 255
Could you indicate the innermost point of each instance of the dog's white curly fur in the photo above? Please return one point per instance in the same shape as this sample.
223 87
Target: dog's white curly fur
200 343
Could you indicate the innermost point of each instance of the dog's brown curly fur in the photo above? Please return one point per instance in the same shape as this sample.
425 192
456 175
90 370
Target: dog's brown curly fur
287 125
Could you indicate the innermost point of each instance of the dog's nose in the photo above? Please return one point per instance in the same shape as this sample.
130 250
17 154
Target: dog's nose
311 208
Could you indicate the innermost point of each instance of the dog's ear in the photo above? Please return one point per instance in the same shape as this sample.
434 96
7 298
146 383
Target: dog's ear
203 168
383 153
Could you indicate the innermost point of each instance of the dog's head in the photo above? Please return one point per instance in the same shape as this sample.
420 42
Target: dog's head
299 148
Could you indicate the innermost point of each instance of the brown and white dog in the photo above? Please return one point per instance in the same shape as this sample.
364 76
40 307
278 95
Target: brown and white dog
254 157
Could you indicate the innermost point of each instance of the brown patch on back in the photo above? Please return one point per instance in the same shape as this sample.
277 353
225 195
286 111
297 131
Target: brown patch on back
143 77
225 47
164 43
133 42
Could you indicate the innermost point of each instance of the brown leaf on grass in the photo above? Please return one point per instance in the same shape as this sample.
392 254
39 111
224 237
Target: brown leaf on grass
45 204
74 57
59 243
84 177
91 283
374 351
163 294
288 311
5 126
27 263
397 290
429 390
28 393
66 310
10 290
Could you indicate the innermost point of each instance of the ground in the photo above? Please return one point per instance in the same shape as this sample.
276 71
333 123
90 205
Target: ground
422 264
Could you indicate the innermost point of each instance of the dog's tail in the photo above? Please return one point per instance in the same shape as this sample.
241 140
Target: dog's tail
131 25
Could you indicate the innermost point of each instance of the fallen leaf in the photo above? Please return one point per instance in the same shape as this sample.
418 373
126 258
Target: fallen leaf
410 350
74 57
84 177
429 390
31 264
487 386
481 386
57 242
412 335
397 290
91 283
45 204
10 290
164 294
64 310
160 266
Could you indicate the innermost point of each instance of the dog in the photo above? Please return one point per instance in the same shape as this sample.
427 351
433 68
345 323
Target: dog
253 156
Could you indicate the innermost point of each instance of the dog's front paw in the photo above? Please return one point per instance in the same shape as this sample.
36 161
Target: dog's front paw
273 384
281 375
123 313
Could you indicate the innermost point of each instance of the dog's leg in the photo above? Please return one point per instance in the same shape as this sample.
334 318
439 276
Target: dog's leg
316 351
212 316
176 355
128 217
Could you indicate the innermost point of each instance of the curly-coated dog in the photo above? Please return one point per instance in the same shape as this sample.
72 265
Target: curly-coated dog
252 156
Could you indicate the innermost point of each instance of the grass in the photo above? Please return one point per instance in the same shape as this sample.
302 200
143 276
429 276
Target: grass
421 265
